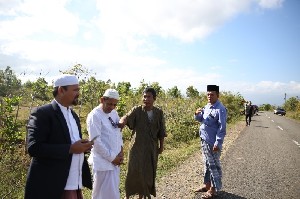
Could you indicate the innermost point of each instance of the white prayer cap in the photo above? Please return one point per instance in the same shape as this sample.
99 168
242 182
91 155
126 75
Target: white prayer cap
111 93
65 80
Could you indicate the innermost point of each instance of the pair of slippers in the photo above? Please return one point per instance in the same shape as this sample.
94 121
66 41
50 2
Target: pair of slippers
206 194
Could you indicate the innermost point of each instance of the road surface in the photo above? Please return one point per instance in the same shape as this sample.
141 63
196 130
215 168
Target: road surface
264 161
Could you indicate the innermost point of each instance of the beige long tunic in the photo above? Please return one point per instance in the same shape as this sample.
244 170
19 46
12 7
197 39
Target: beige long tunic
143 154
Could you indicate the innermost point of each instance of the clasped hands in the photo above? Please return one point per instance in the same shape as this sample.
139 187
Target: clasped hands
119 159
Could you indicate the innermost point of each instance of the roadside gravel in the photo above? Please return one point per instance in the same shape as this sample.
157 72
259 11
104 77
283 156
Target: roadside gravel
181 182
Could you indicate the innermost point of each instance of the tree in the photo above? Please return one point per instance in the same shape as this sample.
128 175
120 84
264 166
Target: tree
291 104
141 88
125 94
174 92
41 89
9 83
157 88
124 88
266 107
78 70
143 85
192 92
9 125
233 104
91 91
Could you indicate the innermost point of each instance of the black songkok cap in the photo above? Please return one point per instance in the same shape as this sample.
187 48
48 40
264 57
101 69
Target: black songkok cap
212 88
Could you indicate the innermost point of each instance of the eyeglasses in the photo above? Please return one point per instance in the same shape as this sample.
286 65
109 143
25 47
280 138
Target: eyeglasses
114 124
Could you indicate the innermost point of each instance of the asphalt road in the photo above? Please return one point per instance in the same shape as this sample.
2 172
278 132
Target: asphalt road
264 161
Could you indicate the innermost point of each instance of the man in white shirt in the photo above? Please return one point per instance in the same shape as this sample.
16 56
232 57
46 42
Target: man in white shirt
107 153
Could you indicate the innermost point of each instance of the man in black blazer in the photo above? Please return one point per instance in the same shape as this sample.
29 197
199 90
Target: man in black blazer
58 168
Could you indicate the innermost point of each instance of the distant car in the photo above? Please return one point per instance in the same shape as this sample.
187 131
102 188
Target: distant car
279 111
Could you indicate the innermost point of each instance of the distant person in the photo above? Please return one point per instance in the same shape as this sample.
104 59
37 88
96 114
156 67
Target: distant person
107 153
147 123
212 132
248 113
255 109
58 169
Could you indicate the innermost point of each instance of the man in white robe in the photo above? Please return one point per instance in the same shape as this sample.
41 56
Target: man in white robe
107 153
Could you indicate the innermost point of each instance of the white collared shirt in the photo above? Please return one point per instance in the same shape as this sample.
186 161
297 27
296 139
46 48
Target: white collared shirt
108 145
74 181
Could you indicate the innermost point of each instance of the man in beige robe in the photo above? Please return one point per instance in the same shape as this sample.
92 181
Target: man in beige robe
148 127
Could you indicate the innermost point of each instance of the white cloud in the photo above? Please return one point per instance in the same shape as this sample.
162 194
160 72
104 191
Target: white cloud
47 26
88 35
7 7
263 92
270 3
48 50
38 17
180 19
265 87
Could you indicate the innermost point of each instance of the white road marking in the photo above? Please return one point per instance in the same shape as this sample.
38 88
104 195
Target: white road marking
272 120
298 144
280 128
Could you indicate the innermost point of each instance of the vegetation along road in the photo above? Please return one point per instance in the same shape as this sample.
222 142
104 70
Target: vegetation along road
262 162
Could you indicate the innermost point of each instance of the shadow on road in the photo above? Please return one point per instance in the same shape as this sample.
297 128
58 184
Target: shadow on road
222 195
266 127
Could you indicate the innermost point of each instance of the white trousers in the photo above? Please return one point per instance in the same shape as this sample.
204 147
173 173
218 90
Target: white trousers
106 184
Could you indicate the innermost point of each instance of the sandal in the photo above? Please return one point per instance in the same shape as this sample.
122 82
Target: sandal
208 195
202 189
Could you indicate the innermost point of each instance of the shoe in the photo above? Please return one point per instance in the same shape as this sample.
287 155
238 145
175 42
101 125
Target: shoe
202 189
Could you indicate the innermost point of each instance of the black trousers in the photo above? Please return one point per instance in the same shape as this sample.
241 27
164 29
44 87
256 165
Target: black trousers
248 116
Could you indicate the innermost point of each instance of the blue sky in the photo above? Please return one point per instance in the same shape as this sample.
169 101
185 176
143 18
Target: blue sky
251 47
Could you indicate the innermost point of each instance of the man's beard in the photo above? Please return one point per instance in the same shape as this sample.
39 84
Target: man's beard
75 101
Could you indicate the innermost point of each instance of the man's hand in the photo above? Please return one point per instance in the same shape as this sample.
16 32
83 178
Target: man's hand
118 160
160 150
81 146
122 122
198 111
161 145
215 148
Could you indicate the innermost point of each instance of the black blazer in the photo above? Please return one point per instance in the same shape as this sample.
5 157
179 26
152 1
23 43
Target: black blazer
48 144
